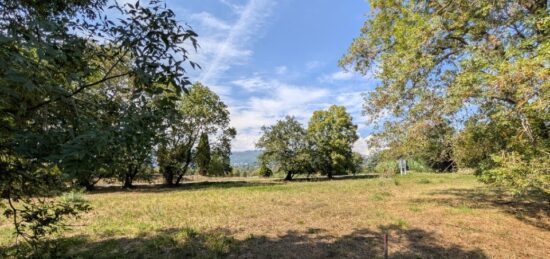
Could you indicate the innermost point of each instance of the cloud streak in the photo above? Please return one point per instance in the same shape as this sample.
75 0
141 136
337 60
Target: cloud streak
251 18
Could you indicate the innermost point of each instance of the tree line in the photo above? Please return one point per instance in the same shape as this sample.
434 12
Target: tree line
324 147
91 90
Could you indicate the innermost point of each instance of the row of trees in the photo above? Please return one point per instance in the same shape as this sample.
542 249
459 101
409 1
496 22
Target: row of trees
86 96
122 138
464 81
324 147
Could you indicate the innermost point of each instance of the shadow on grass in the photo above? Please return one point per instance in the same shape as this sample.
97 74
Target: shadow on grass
314 243
531 210
156 188
335 177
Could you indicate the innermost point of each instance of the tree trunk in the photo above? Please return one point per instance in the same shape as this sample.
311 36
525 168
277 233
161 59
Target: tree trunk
329 171
128 181
187 162
89 185
168 177
288 176
129 177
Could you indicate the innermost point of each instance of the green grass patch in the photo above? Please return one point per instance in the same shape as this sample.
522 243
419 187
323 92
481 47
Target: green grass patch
424 181
380 196
462 209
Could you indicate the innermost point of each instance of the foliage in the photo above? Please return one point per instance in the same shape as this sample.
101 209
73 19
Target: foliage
285 145
135 135
222 151
357 162
332 134
77 87
520 174
203 156
455 60
198 113
41 218
387 168
264 171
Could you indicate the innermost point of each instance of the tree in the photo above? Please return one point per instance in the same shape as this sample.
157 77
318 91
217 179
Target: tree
459 60
198 112
203 156
357 162
135 136
222 151
429 142
332 134
57 56
285 145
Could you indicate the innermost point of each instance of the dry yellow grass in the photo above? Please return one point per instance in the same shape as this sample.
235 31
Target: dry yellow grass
425 215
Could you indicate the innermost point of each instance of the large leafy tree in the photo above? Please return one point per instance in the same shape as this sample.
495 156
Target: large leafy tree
332 134
459 60
199 112
285 145
56 57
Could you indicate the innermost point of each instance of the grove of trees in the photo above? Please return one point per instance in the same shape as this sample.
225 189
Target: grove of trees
325 147
87 97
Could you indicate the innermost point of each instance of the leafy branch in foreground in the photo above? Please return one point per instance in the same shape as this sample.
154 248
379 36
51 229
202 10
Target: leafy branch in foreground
76 83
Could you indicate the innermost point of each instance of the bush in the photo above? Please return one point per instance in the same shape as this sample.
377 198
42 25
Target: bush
520 174
387 168
418 166
264 171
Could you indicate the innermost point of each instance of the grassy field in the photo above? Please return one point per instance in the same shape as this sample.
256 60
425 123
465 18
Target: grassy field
425 215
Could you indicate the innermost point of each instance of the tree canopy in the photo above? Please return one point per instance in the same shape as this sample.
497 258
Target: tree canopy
81 91
332 134
483 62
198 114
285 145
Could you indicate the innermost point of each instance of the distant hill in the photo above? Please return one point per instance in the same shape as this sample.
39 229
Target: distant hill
249 157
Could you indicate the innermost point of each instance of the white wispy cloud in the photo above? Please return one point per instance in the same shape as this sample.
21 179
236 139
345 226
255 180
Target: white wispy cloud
362 147
232 49
338 76
314 64
281 70
282 99
272 99
264 96
252 84
207 20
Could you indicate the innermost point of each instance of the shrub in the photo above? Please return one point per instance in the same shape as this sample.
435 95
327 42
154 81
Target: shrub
264 171
387 168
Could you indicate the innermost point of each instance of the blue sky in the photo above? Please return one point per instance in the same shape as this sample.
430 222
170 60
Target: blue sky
271 58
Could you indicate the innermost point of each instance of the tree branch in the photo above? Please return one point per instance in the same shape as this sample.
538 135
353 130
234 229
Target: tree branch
82 87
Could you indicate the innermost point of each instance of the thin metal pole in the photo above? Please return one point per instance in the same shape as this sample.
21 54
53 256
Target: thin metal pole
385 245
